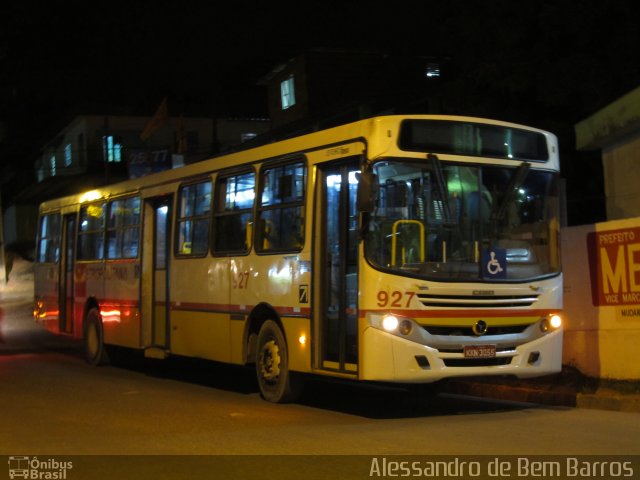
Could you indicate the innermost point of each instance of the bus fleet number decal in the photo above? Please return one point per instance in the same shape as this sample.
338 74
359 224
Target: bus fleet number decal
394 299
240 280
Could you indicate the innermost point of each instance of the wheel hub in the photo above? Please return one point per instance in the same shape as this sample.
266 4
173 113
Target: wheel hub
270 361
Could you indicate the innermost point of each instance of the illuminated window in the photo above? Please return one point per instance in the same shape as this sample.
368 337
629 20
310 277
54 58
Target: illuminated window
67 155
193 219
123 228
280 223
112 149
49 239
234 213
247 136
287 93
91 232
432 70
52 165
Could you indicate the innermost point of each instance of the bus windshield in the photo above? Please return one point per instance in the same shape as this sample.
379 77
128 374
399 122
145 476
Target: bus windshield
442 221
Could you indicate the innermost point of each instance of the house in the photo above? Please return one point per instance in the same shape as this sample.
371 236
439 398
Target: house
324 88
94 150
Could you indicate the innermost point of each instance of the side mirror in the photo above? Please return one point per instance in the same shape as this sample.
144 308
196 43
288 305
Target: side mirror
367 190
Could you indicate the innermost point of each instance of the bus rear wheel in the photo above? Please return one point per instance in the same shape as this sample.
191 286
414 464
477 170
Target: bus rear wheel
95 352
272 366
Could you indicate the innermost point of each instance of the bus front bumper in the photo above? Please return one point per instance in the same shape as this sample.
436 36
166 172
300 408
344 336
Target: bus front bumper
390 358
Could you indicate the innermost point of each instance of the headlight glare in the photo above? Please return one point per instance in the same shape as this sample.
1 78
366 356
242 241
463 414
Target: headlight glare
555 321
390 323
551 322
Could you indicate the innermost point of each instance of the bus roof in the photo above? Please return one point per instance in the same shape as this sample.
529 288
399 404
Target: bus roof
379 134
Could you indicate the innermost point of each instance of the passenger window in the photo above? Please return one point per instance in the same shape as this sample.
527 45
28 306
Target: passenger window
280 225
193 219
49 239
123 228
91 232
233 217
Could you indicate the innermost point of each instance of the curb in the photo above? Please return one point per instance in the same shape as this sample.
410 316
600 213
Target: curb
512 393
609 400
602 399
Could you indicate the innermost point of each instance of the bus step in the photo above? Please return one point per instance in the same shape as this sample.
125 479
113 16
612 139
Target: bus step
155 352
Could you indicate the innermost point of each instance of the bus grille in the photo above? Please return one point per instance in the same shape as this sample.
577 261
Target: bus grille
477 301
477 362
468 331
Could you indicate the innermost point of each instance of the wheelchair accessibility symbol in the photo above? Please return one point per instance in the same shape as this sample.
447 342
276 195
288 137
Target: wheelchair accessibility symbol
494 263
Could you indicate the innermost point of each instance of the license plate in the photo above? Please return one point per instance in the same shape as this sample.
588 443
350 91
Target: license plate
479 351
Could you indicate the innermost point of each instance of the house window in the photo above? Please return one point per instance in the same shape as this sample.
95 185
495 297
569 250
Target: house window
432 70
67 155
52 165
287 93
112 149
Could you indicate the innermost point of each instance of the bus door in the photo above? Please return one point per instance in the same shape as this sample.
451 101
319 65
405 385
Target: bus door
67 257
337 265
155 272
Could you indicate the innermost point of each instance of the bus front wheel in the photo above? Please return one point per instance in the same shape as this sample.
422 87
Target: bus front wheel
95 352
272 368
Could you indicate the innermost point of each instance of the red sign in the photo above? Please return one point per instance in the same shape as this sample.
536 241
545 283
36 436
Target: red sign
614 258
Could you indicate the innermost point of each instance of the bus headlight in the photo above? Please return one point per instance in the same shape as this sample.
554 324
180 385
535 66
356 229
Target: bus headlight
390 323
551 322
405 327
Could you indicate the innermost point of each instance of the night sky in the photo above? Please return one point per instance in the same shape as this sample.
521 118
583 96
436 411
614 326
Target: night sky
548 63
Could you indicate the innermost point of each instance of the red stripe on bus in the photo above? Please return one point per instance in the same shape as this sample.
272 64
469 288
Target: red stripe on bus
229 308
463 313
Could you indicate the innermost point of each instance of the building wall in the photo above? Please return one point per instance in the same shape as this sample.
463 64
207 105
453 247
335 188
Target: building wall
279 116
621 163
204 138
232 132
20 225
601 265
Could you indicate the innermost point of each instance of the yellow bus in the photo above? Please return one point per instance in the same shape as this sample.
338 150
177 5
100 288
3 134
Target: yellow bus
403 249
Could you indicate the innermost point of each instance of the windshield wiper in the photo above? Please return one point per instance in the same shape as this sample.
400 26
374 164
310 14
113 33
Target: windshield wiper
516 182
442 187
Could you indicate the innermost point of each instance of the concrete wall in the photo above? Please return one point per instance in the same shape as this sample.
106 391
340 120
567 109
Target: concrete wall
601 266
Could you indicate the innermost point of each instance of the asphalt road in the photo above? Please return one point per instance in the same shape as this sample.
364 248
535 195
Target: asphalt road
54 404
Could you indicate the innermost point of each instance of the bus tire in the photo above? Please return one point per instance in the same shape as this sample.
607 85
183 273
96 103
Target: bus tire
272 367
95 352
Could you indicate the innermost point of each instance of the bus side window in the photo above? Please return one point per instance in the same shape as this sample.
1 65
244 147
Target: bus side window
123 228
233 215
280 222
91 232
193 219
49 239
